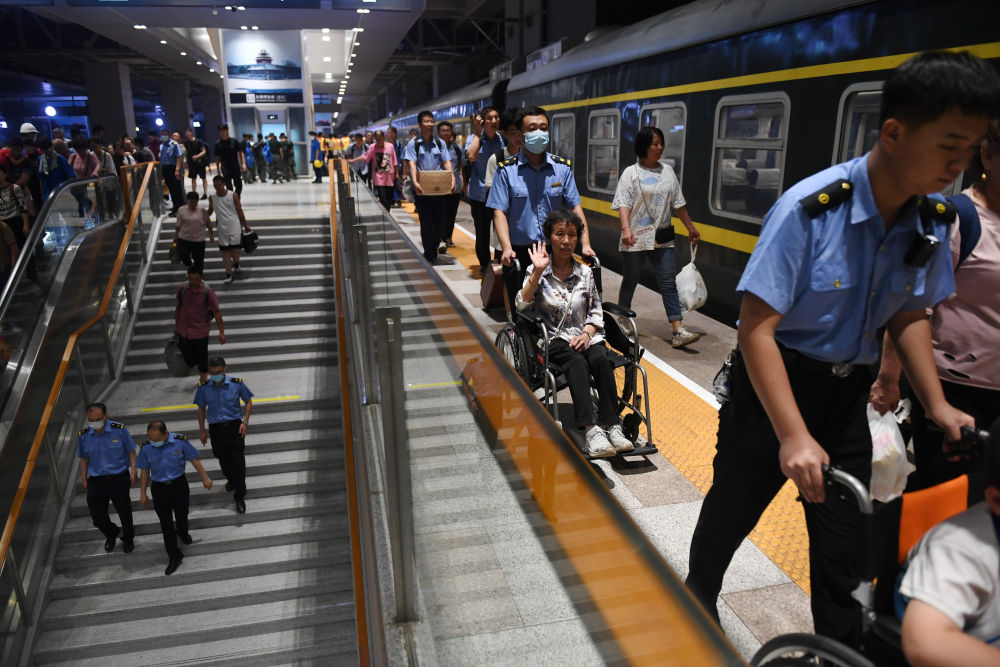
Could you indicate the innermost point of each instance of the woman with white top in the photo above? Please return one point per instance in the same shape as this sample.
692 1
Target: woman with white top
230 223
647 194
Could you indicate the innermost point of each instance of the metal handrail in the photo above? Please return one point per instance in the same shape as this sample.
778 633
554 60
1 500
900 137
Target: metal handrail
43 425
24 256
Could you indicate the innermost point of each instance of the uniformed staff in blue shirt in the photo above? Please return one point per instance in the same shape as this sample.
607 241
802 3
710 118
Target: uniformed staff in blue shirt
483 141
107 470
426 152
219 400
841 255
525 188
163 458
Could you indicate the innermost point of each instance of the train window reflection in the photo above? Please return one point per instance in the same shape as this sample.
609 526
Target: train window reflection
859 121
563 128
672 121
749 154
602 150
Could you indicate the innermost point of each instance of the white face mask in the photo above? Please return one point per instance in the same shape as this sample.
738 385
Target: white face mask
97 426
157 443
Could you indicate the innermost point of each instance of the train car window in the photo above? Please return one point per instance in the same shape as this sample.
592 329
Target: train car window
563 128
858 123
749 154
672 121
602 150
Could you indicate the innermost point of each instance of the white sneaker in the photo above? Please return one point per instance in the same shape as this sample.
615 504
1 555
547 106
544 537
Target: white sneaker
598 446
618 439
229 278
683 337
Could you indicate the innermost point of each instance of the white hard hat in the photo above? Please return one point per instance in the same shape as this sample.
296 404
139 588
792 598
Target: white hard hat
28 128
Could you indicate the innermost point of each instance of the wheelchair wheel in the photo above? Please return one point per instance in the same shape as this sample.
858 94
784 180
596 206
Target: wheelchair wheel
804 649
511 347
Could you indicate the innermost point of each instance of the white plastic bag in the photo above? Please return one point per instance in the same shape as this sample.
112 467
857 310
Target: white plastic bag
691 286
889 465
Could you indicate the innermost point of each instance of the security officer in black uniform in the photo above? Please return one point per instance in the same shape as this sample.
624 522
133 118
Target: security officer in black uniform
163 458
107 471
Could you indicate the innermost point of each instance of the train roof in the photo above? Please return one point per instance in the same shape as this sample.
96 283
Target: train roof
478 90
694 23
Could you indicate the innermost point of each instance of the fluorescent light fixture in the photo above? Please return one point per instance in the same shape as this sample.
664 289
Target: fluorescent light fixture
50 111
241 8
136 128
139 26
327 59
364 11
358 29
335 114
357 44
339 100
326 38
198 62
159 122
211 69
163 41
243 27
196 123
253 27
346 77
325 31
184 53
329 75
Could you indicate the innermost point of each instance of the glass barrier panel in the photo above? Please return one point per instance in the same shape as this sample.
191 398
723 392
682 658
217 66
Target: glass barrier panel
11 623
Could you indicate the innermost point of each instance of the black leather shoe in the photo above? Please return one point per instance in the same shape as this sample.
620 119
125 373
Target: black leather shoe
229 486
174 564
241 506
185 538
109 543
129 546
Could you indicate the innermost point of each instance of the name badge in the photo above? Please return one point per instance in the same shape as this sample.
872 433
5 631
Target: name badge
556 185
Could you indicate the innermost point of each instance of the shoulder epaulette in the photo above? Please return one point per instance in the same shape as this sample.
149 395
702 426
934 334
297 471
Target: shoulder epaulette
232 379
178 436
84 430
509 162
935 209
829 197
202 383
116 424
560 160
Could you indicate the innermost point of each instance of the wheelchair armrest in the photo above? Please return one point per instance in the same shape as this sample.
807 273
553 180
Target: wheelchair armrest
591 261
615 309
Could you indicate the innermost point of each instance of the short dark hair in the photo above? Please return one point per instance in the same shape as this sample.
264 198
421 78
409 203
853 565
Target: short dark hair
310 132
224 126
378 132
508 118
193 195
157 425
486 110
218 177
933 83
425 112
444 123
216 362
195 268
530 111
644 139
44 144
992 450
102 406
561 215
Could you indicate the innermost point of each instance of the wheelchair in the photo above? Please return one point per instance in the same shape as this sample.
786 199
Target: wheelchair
890 531
523 342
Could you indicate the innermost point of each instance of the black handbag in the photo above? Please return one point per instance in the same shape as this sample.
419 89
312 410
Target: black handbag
174 358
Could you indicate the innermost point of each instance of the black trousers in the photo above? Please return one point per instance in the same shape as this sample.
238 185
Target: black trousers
580 367
191 251
747 476
385 194
114 489
933 466
228 446
195 351
234 181
172 499
174 187
319 172
431 211
482 218
450 213
261 166
514 280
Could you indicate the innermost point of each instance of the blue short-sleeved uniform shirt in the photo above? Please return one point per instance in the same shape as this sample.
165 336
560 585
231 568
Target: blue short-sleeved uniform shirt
170 152
527 195
106 452
167 462
837 278
428 155
477 169
222 401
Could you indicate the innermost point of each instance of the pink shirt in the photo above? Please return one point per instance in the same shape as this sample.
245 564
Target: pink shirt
191 224
196 316
84 165
385 165
964 328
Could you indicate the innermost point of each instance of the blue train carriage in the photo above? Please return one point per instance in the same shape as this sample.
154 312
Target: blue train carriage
751 96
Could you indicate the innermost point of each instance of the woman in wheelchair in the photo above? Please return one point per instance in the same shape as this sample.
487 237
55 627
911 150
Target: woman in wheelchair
563 292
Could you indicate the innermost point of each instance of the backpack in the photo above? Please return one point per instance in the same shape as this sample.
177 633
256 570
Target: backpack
969 227
266 152
204 294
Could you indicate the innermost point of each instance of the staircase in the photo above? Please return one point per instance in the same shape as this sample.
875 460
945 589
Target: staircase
274 585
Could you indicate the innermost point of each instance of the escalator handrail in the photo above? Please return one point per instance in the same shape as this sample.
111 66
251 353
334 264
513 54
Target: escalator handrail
43 425
37 230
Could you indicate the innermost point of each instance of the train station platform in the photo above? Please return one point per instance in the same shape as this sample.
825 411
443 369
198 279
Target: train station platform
409 501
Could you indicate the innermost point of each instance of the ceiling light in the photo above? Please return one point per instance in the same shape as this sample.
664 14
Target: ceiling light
327 59
241 8
163 41
184 53
159 122
50 111
358 29
335 114
325 31
253 27
139 26
243 27
211 69
329 75
198 62
326 38
340 99
221 77
364 11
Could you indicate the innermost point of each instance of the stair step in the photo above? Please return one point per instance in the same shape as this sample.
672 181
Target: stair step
241 332
246 363
239 291
265 303
163 323
237 348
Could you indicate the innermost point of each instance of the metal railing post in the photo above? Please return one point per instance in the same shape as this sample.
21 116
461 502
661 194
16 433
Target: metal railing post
10 565
362 288
399 492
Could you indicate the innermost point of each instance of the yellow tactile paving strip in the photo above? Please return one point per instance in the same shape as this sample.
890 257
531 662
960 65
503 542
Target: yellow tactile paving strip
684 431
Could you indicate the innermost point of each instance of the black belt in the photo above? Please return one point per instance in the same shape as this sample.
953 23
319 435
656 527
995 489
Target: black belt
170 481
797 360
123 473
228 421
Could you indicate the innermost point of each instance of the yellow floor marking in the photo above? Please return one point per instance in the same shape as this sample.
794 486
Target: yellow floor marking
431 385
191 406
684 432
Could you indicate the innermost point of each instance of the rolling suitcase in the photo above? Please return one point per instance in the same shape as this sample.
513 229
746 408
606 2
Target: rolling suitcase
491 291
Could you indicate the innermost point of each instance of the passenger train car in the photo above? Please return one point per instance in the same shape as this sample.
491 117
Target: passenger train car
752 96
